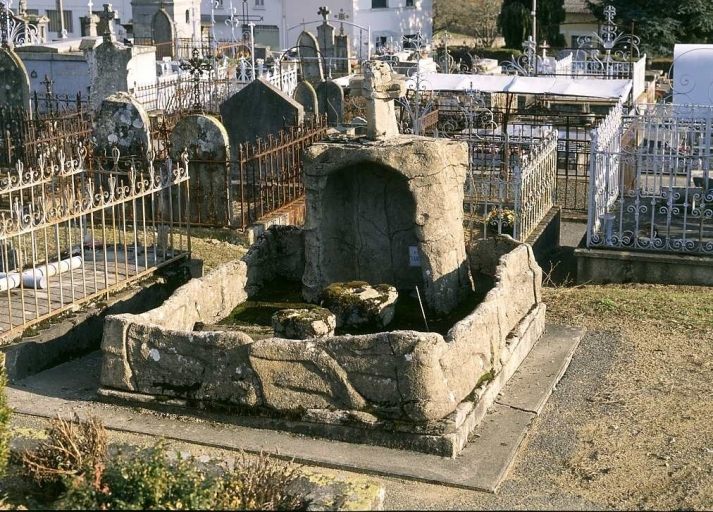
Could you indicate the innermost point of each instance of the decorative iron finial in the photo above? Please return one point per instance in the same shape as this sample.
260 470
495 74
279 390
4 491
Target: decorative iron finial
324 13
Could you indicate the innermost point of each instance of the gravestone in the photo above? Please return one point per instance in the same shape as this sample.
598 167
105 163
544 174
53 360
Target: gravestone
306 96
342 54
330 97
122 123
108 71
325 37
14 81
310 66
258 110
206 142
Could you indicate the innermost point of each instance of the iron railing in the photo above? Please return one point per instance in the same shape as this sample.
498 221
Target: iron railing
651 183
69 235
512 181
269 173
25 136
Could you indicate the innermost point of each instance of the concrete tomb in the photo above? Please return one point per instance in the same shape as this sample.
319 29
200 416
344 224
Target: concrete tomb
384 222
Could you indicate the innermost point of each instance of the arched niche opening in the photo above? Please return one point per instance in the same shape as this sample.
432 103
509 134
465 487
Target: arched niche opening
368 227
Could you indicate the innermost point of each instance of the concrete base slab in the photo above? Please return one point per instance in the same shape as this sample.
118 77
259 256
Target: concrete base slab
602 266
482 465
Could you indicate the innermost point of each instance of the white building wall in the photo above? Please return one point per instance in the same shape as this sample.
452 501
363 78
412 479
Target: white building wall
397 20
79 8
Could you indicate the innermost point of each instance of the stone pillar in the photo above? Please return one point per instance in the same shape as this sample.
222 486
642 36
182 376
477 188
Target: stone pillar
381 87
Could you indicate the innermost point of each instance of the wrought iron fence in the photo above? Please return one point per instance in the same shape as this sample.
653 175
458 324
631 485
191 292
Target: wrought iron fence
512 181
651 181
25 136
573 145
268 173
69 235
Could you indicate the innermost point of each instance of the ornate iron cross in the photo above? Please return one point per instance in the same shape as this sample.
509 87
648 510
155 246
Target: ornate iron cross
324 13
196 66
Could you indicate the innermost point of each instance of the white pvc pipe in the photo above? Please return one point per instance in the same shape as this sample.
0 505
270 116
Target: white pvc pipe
38 277
9 281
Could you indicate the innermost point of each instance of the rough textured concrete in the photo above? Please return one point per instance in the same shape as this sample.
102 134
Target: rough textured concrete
357 303
387 212
381 87
412 382
206 141
80 333
301 324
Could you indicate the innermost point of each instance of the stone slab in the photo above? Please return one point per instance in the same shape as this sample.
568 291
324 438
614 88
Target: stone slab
481 466
531 386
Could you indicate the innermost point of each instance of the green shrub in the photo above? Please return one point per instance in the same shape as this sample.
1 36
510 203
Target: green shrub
146 481
149 480
4 419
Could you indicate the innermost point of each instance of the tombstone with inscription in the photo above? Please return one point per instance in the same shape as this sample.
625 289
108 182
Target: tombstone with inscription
206 141
306 96
258 110
310 66
331 101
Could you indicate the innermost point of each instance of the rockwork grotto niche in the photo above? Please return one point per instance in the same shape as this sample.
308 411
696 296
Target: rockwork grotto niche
387 211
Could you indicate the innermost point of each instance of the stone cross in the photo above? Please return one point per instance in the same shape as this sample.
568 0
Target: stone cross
108 16
381 86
